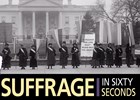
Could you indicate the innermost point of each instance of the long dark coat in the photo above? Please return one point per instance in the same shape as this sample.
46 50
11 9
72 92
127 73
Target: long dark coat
75 56
101 56
51 56
63 55
33 60
109 56
118 57
23 56
138 60
95 57
129 56
6 63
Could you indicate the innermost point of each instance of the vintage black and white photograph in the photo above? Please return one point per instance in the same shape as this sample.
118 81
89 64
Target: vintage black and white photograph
70 36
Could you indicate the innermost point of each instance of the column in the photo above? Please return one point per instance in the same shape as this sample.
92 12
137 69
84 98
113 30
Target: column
60 20
33 25
20 30
47 23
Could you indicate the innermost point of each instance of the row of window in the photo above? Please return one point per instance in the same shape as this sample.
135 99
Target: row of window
67 19
13 19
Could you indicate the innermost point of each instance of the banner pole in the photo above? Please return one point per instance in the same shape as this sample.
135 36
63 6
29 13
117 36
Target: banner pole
86 62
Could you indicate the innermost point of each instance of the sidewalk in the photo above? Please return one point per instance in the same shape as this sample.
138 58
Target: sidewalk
69 70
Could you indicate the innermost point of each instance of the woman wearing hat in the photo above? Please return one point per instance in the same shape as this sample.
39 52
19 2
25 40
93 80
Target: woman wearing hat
101 56
23 56
109 56
129 56
75 56
63 55
6 57
0 61
51 56
95 57
118 56
33 59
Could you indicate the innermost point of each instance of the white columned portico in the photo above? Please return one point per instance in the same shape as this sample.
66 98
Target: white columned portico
20 30
60 19
33 25
47 23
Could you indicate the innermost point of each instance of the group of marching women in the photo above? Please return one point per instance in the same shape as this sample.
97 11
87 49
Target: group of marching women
51 53
112 57
100 56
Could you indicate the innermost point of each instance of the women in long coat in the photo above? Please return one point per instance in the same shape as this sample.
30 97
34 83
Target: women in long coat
63 55
75 56
23 56
109 56
95 57
6 57
51 56
33 59
0 61
138 60
118 56
101 56
129 56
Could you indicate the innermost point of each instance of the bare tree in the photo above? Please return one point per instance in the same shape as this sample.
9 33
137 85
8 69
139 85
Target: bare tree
126 10
121 10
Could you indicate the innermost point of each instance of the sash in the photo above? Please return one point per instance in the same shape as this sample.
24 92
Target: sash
22 51
119 50
76 50
63 49
6 51
50 49
109 48
101 49
94 50
33 50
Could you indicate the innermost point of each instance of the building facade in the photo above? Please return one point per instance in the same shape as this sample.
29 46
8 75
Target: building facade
35 18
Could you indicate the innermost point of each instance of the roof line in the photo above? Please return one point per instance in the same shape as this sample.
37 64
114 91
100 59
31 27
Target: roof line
46 0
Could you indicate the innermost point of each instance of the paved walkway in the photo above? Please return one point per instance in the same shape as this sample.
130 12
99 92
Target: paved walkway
69 70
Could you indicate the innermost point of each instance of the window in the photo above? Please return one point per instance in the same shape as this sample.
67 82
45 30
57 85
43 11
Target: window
3 19
67 37
66 20
67 30
13 19
76 19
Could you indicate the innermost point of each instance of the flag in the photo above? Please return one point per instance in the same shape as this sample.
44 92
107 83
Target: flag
78 30
131 34
125 35
105 32
101 31
5 32
83 27
37 43
57 35
14 45
46 46
60 33
119 34
97 32
114 33
109 35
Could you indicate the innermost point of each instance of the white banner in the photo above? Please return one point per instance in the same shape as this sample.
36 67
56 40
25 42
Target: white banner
0 62
137 52
87 49
89 38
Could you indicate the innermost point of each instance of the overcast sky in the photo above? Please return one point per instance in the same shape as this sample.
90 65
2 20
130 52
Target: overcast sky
76 2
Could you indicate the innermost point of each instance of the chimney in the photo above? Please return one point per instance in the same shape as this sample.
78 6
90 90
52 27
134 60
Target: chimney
69 2
10 2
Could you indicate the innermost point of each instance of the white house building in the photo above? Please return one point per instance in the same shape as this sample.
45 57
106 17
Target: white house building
35 18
